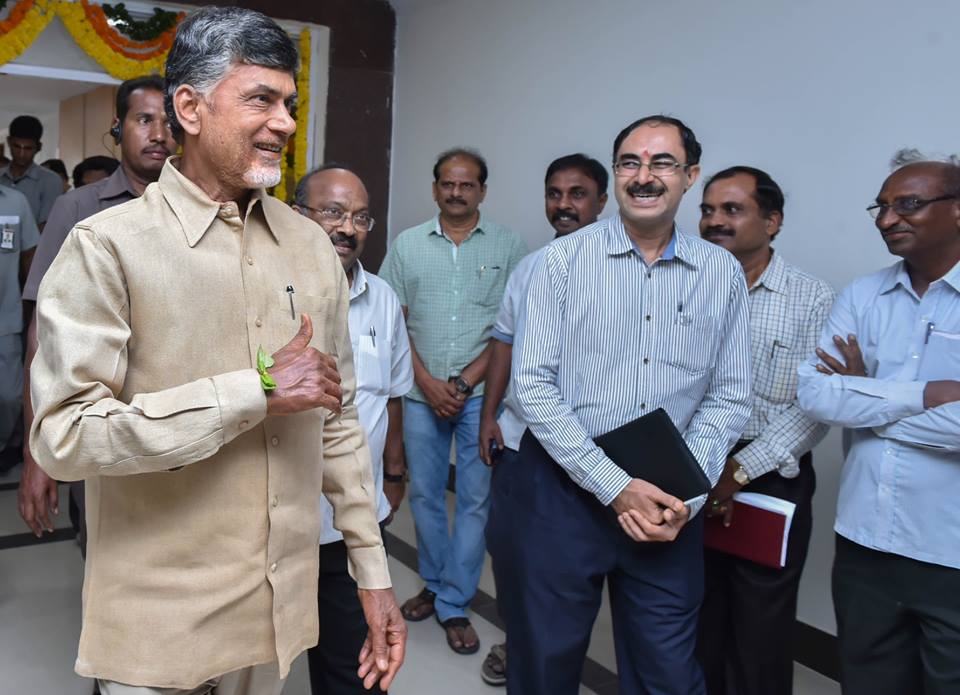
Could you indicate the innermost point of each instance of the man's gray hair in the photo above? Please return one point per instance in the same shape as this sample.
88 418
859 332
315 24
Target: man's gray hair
909 155
211 40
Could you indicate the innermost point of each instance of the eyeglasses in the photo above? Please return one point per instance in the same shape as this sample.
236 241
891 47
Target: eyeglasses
905 206
336 216
659 167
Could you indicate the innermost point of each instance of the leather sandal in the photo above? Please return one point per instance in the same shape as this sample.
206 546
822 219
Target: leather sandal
420 607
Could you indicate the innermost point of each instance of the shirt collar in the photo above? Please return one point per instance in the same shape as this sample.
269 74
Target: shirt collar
116 185
195 210
620 243
952 278
32 172
438 230
774 276
359 284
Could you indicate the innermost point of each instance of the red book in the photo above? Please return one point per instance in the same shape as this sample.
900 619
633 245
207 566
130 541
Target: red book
759 530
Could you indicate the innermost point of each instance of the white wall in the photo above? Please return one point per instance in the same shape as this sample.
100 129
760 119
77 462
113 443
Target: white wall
819 93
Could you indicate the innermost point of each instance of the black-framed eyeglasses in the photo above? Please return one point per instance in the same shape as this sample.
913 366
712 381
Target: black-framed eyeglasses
336 216
658 167
906 206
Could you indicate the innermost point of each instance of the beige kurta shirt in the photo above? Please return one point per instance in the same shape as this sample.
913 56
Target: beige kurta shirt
202 513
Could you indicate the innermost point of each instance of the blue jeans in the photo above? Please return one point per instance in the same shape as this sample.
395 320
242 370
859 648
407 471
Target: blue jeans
450 560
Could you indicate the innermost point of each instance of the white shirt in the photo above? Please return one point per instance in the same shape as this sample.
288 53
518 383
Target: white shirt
505 328
381 353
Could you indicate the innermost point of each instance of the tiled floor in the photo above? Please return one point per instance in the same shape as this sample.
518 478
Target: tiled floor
40 624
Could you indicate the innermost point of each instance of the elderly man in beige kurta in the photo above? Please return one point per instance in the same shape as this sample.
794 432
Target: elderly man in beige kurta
203 520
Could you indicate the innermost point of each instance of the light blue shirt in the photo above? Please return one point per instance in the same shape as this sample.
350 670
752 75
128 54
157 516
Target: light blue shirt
604 339
901 477
18 234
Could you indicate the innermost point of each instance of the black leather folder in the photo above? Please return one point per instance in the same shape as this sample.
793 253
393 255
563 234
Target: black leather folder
652 449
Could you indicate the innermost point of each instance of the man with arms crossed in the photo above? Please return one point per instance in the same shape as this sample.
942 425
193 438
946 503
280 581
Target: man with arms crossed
336 199
575 193
140 129
745 641
203 474
621 318
888 370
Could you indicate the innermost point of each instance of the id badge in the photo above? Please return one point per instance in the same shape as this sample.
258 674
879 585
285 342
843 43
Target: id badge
8 227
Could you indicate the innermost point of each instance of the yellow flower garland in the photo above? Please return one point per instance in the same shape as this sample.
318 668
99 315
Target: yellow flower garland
116 64
21 37
36 19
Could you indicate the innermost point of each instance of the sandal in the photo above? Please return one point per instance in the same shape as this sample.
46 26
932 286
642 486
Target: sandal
420 607
494 668
457 630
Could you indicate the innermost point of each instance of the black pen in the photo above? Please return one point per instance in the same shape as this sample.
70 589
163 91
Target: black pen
930 327
373 336
293 313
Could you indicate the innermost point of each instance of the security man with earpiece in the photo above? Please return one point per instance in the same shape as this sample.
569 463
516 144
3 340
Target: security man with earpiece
140 129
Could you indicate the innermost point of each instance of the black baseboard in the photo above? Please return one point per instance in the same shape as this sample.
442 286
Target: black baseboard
817 650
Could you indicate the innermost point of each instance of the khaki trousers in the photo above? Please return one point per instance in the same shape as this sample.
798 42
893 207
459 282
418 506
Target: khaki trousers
263 679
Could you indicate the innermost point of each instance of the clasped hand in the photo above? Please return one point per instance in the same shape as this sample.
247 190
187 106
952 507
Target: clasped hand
647 513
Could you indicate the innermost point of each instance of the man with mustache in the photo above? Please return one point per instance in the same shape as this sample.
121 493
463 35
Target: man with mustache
575 193
449 274
623 317
745 643
205 454
140 129
336 199
887 369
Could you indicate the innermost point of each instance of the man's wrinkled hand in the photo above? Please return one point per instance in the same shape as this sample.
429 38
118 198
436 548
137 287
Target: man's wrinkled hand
639 528
384 649
37 497
306 378
852 364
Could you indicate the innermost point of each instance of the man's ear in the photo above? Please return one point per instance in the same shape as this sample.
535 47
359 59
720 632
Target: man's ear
774 222
187 104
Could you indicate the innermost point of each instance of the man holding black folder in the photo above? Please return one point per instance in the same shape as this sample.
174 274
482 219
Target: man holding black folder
746 622
623 318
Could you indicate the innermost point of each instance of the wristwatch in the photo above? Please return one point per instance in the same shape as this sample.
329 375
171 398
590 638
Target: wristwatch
462 386
740 476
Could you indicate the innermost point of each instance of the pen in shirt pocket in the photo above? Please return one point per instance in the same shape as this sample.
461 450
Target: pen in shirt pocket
373 336
486 267
293 312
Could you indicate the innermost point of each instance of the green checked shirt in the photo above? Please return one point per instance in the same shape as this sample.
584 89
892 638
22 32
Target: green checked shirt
452 293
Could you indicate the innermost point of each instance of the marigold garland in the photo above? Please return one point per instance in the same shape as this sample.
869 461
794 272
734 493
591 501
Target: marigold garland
22 27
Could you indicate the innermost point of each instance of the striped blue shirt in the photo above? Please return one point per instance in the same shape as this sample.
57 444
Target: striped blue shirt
606 338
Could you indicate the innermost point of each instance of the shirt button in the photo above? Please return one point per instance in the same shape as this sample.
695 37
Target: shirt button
273 568
249 260
244 424
453 318
258 323
275 441
647 317
646 360
643 406
274 502
916 357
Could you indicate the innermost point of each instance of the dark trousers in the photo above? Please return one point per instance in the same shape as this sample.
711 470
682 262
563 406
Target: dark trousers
745 638
334 661
553 545
898 623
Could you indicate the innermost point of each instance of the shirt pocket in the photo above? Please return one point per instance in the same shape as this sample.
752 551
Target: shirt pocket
941 356
486 286
777 372
320 311
373 364
692 343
